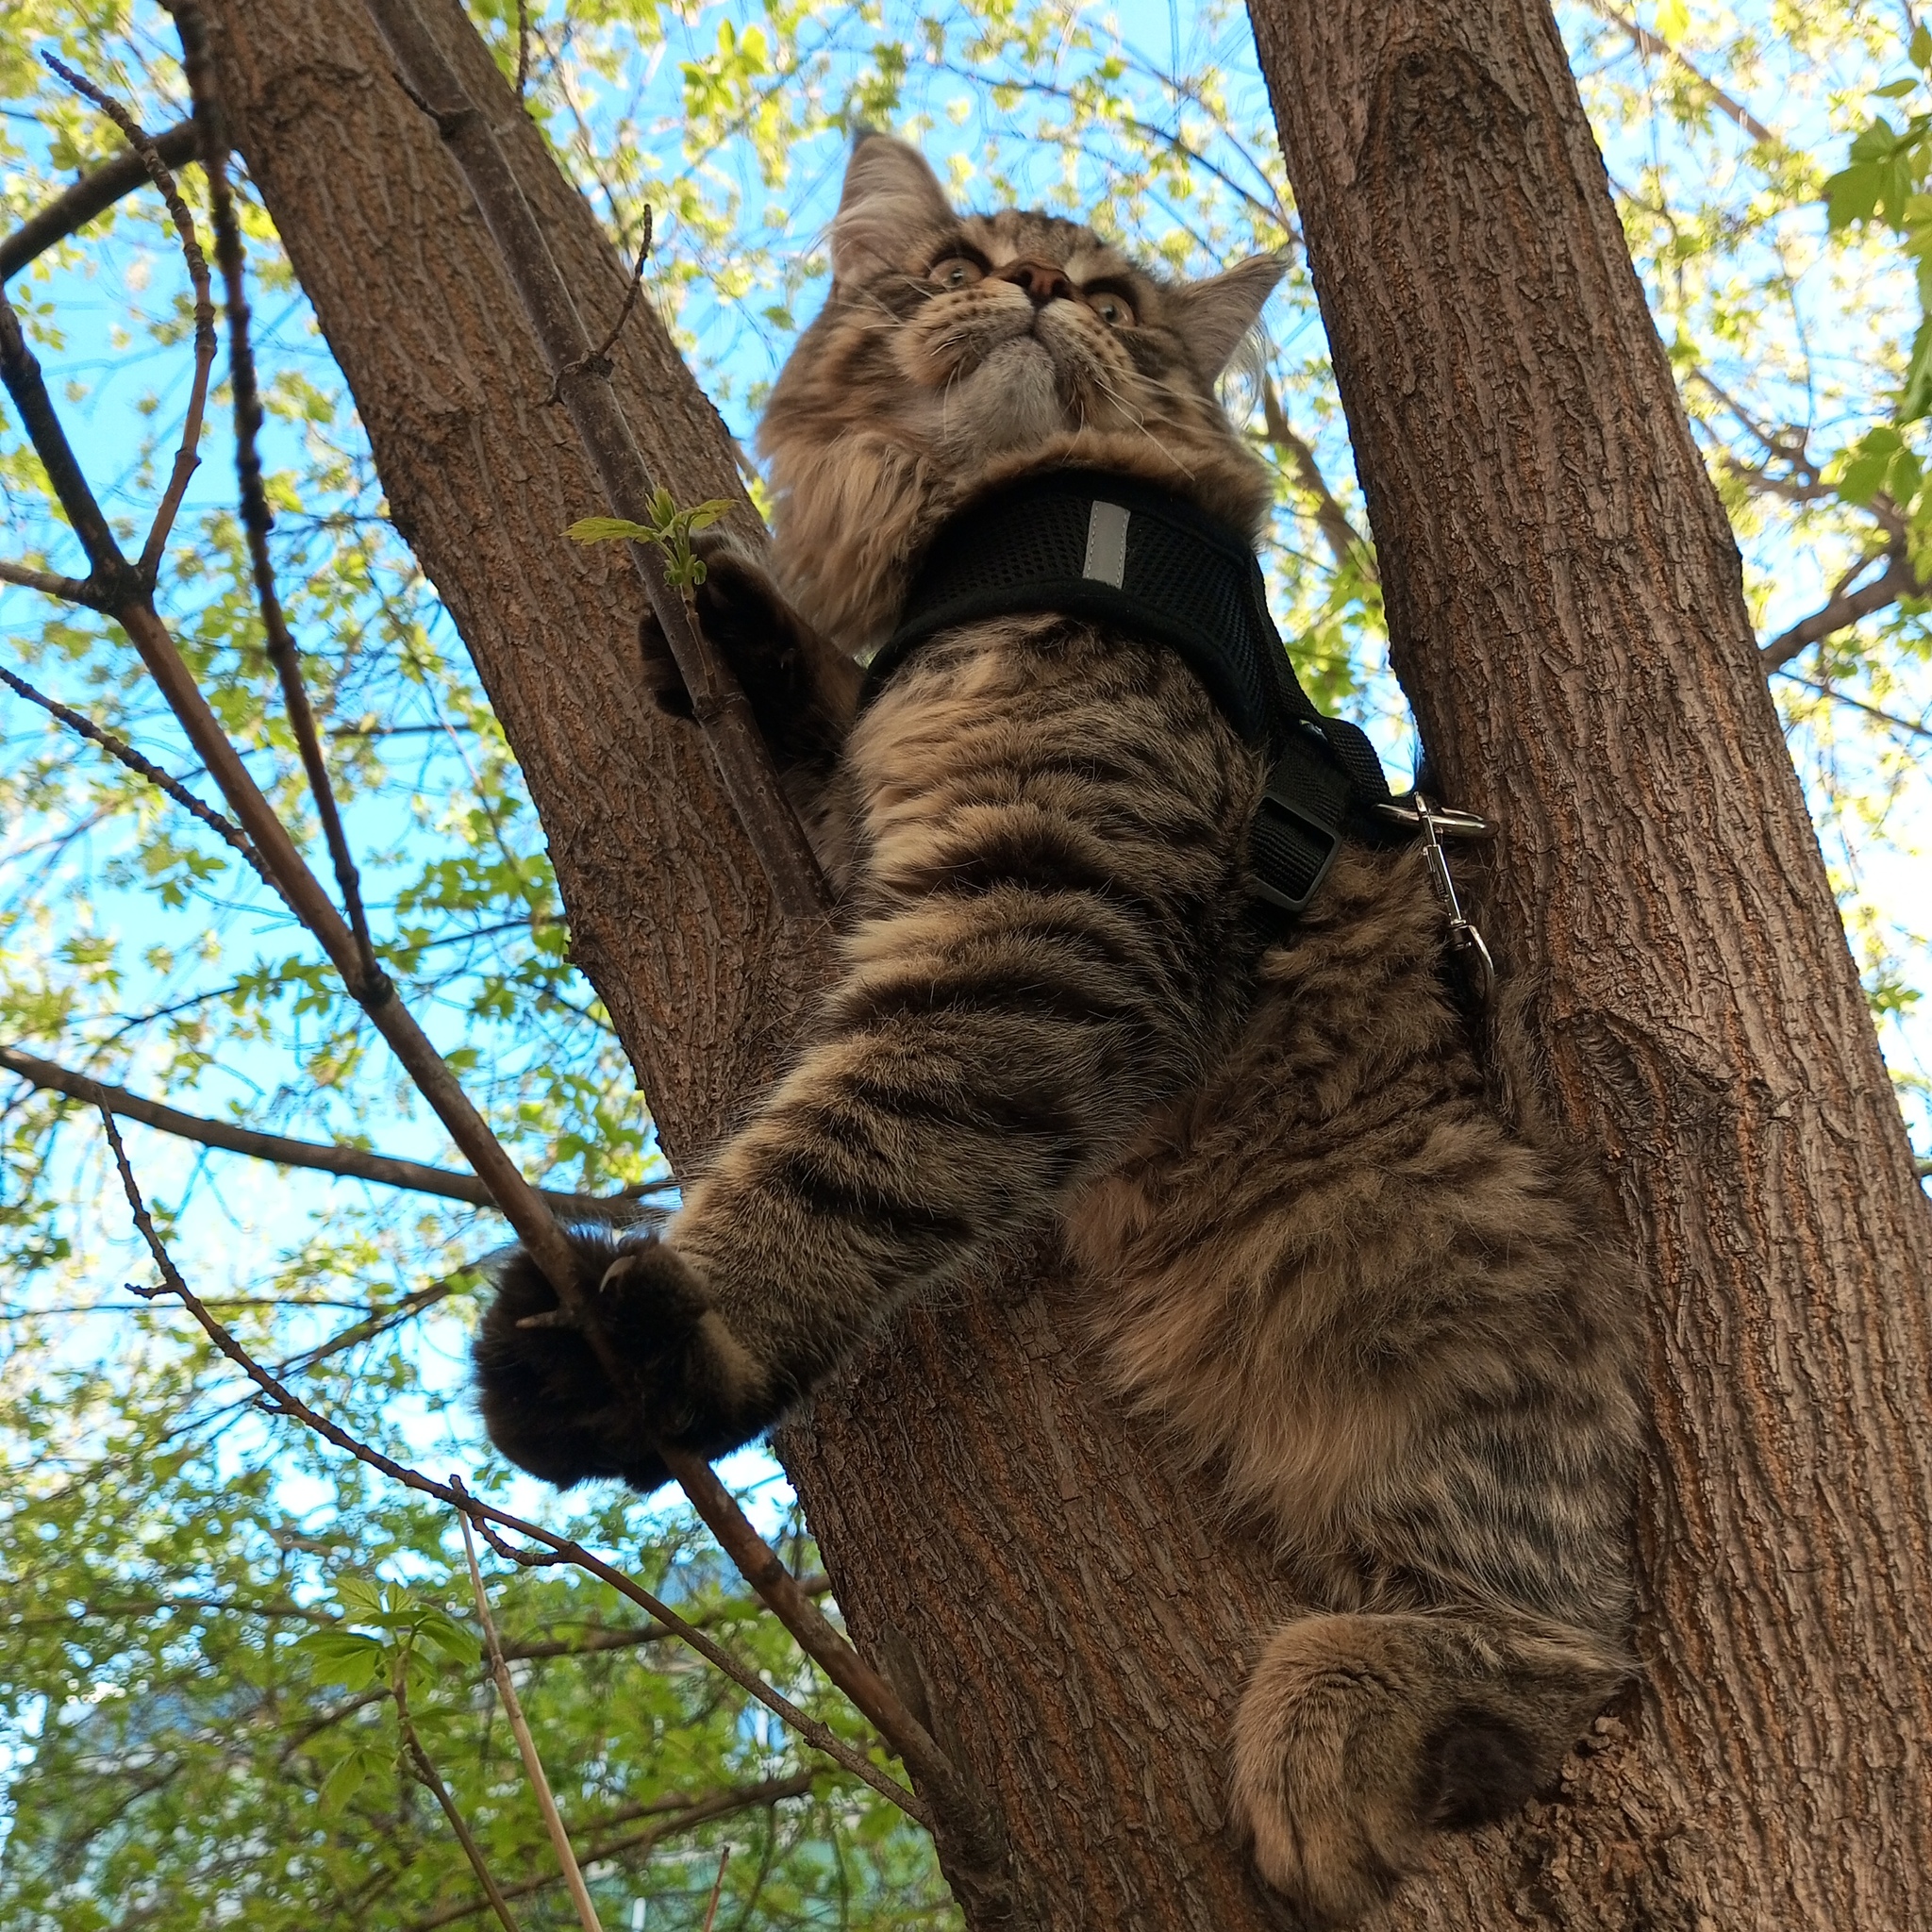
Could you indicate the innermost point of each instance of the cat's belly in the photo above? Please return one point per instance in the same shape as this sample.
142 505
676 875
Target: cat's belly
1293 1270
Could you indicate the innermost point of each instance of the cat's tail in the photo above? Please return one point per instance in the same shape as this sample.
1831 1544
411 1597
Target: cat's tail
1358 1735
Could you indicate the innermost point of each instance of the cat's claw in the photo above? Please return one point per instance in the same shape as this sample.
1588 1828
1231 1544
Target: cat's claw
681 1378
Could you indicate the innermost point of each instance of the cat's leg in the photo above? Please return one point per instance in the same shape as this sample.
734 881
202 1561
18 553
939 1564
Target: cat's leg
1480 1579
1051 918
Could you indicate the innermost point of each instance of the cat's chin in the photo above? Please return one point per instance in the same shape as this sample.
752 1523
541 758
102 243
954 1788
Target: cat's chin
1011 400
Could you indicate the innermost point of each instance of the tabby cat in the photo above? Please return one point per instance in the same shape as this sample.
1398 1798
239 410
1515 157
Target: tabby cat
1336 1256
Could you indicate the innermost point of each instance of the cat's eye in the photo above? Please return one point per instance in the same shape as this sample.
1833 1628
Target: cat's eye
956 272
1113 310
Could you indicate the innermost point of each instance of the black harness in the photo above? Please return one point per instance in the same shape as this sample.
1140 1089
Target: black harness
1085 544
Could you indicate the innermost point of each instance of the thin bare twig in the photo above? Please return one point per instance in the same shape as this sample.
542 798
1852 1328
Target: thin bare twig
1653 45
186 458
717 1888
597 362
1844 697
595 1641
526 1745
352 1163
119 748
1346 544
425 1769
281 1400
92 195
718 700
257 518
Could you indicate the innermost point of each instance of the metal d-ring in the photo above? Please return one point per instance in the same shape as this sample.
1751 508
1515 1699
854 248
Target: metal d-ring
1432 821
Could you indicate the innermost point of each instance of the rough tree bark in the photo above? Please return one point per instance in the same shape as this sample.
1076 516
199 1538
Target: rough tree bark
1564 601
1083 1635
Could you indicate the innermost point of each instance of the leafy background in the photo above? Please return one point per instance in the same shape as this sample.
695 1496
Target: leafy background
202 1607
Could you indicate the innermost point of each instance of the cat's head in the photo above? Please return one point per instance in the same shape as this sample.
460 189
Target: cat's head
958 351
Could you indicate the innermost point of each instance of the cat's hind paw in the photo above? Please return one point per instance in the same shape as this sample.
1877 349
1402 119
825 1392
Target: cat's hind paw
661 1368
1360 1737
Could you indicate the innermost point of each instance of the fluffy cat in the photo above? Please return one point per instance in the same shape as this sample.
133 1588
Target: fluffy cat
1336 1255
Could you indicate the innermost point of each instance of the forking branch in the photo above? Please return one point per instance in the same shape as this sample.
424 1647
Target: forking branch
121 590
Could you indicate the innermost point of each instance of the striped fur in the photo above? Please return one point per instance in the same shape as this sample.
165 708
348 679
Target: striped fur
1334 1253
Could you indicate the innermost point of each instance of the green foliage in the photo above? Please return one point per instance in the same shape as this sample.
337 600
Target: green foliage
670 528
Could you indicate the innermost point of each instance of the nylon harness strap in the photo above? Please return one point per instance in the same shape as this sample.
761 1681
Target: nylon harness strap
1112 550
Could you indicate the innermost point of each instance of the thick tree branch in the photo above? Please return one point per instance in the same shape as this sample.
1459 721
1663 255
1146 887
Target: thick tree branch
256 515
117 587
352 1163
92 195
1898 580
718 703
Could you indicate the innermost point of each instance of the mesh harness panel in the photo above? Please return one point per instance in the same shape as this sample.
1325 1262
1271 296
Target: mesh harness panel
1113 550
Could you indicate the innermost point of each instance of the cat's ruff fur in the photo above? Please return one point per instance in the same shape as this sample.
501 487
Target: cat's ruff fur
1339 1260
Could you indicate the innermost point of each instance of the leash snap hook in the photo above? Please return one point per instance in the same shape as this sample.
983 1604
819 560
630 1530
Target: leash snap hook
1465 941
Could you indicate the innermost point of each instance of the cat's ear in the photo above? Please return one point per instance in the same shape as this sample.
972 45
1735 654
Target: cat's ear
1214 315
890 196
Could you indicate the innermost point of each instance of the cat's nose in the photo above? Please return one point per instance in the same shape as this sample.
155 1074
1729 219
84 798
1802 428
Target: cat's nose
1044 282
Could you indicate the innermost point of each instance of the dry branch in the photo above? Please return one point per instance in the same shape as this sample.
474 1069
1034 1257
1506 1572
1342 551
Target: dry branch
352 1163
1653 44
526 1745
718 703
423 1768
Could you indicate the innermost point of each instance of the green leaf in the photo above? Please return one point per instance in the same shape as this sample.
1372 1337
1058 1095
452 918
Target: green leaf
1852 194
461 1645
349 1776
1673 19
607 530
361 1597
1920 51
1895 89
344 1657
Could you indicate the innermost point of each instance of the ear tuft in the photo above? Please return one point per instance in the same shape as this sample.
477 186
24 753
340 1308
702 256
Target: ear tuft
1214 315
890 195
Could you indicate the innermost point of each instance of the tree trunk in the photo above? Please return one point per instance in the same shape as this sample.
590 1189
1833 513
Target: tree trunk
1564 604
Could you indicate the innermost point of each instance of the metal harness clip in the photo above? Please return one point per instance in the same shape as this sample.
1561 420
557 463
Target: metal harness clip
1434 822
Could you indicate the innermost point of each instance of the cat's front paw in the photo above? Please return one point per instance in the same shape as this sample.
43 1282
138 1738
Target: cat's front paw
661 1366
801 688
